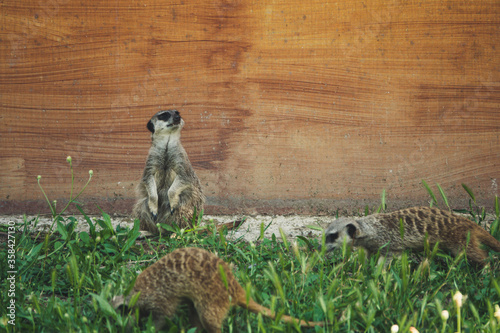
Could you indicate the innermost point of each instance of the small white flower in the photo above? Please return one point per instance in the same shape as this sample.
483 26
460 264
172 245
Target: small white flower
295 248
394 328
458 299
68 159
445 315
497 312
38 177
91 172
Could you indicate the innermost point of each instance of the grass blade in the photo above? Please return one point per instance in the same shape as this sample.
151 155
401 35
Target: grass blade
285 241
62 230
261 236
497 209
401 229
469 191
445 199
495 228
384 206
104 305
433 197
223 276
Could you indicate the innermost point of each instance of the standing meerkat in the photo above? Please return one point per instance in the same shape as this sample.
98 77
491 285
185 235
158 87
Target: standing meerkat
169 190
374 231
193 276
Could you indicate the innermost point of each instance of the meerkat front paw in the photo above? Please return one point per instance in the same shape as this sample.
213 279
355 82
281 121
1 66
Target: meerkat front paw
153 208
172 205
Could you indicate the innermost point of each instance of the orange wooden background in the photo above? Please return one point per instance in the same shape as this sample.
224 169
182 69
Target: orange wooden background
290 106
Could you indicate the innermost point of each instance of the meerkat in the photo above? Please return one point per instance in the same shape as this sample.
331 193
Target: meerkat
193 276
169 190
377 231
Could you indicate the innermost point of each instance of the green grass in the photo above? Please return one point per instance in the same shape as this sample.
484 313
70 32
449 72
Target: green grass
64 280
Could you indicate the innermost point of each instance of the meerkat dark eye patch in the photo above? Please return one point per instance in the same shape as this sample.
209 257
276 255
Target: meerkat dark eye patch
164 116
351 230
123 309
330 238
151 127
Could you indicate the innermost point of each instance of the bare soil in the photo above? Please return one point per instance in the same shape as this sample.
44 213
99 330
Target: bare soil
250 229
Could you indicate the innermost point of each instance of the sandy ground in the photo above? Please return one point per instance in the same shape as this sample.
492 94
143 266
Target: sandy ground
292 225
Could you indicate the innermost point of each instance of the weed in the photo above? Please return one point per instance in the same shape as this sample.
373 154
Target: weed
53 205
66 279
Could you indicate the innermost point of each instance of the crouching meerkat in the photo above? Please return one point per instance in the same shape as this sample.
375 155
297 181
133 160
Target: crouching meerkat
192 276
375 231
169 190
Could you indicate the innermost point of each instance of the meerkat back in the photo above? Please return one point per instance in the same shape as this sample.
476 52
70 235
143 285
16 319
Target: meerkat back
453 232
188 276
193 276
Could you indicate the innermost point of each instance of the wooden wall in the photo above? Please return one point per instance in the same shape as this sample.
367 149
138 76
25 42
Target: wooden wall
290 106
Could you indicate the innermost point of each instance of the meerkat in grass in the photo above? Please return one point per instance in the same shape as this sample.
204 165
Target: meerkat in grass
193 276
169 191
420 224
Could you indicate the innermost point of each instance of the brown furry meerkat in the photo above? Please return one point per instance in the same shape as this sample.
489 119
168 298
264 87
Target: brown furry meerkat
169 190
374 231
193 276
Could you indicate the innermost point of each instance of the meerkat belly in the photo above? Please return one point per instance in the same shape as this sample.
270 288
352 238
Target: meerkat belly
165 179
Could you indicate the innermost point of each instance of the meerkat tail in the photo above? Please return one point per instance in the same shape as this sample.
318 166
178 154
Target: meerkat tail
490 241
303 323
257 308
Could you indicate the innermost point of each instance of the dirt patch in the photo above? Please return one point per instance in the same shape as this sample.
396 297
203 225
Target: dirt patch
292 225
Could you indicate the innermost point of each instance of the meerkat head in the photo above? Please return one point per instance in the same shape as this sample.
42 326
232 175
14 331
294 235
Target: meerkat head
165 122
340 229
119 303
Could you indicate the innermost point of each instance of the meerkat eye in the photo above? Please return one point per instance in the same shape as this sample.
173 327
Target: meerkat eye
351 230
164 116
151 127
332 237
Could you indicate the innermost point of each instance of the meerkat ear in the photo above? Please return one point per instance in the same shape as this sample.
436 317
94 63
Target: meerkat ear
352 231
151 127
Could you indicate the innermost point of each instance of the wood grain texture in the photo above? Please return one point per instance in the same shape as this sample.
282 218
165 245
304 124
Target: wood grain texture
290 106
